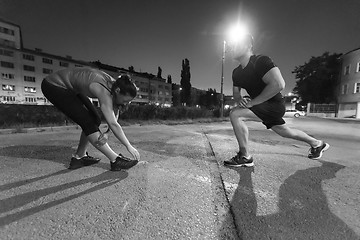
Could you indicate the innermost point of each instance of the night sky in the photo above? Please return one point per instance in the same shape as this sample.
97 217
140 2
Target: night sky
151 33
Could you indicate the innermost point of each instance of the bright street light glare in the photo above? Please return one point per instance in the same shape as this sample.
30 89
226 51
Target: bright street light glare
237 33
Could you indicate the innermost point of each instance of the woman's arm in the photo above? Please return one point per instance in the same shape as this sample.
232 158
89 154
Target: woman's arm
106 106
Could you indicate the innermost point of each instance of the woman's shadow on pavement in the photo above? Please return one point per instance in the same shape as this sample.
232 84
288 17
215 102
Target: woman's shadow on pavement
55 154
303 208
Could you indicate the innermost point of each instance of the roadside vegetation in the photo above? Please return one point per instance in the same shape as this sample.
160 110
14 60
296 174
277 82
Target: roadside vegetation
29 116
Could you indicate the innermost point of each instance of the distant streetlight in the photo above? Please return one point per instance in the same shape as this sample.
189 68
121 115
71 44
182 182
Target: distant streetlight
236 34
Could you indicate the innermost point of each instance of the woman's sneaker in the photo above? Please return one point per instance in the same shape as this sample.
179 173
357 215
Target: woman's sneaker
316 152
239 161
122 163
87 160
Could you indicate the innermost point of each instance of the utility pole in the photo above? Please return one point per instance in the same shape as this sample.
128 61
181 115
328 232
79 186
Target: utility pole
222 82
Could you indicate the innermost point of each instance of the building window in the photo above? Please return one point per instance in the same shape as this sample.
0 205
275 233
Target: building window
167 87
142 96
344 89
30 89
7 31
161 86
6 87
47 71
47 60
76 65
358 67
144 90
29 79
7 64
357 88
7 43
7 76
8 99
64 64
28 57
30 99
29 68
6 53
347 70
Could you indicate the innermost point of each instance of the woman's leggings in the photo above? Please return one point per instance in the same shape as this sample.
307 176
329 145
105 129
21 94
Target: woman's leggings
75 106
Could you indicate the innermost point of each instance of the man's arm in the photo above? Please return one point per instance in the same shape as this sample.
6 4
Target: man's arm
274 84
237 94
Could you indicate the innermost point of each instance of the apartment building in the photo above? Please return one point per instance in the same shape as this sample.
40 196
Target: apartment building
22 71
349 94
151 89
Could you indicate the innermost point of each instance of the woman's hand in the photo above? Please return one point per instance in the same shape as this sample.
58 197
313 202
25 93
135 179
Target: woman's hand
134 152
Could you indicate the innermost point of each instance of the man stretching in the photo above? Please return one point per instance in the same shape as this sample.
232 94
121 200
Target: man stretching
262 80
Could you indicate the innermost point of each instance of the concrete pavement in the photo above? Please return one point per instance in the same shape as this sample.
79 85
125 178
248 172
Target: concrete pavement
180 190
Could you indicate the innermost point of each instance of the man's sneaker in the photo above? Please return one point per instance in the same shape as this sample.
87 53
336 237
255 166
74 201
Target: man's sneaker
239 161
122 163
316 152
87 160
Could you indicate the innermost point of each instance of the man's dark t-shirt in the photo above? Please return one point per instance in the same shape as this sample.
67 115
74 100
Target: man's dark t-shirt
250 77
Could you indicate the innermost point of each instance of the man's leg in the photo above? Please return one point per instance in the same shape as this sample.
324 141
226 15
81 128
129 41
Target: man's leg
240 129
284 131
317 146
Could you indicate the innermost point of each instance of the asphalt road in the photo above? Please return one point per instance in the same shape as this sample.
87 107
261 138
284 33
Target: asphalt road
180 189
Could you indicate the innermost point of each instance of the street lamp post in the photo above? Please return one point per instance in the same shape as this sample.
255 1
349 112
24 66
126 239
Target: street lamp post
236 35
222 82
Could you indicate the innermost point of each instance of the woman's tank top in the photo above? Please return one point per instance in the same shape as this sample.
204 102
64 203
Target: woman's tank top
79 79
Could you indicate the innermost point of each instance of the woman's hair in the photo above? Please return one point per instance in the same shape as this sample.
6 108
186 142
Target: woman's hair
126 86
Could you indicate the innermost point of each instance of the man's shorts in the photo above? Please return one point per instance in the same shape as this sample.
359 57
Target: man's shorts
270 112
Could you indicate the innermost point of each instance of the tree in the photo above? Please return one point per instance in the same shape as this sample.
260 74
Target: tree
159 72
131 69
175 94
169 79
317 80
185 82
210 99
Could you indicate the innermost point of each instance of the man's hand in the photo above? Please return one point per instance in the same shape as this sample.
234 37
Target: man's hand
245 102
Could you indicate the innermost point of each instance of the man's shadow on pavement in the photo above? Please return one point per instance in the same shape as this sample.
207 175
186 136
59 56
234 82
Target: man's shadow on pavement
51 153
303 208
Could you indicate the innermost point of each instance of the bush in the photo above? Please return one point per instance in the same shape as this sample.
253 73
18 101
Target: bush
13 115
39 115
149 112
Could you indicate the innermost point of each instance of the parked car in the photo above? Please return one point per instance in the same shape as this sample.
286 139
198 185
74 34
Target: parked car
294 113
